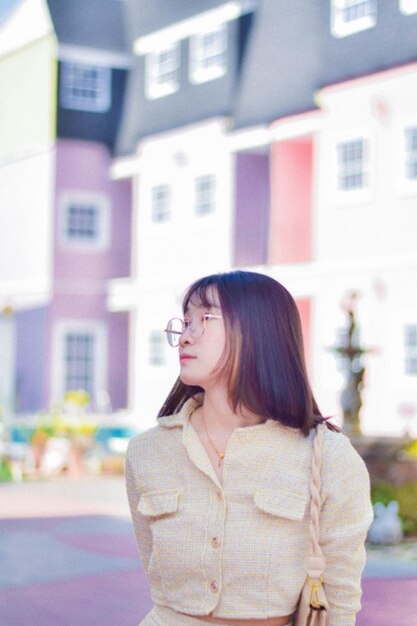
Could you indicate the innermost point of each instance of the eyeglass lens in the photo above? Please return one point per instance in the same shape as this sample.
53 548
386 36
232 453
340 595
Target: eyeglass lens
174 331
176 327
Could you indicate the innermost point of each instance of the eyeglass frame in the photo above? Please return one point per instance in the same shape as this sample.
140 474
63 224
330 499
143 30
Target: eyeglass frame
206 317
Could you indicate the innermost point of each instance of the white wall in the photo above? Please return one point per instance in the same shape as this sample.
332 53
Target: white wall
382 219
27 112
26 194
7 362
173 254
366 242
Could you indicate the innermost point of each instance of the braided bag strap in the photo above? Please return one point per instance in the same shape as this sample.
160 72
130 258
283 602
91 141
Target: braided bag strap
313 607
315 552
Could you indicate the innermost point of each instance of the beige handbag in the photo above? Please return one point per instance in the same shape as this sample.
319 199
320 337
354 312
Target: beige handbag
313 608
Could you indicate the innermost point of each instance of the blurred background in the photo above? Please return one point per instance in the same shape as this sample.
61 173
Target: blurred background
146 143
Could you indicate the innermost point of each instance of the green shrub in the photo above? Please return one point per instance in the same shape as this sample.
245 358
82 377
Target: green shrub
383 492
5 471
406 496
407 499
411 449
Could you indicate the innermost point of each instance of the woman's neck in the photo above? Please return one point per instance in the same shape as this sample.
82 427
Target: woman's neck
214 421
217 412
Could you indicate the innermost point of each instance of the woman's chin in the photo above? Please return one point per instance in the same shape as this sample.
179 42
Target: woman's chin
187 379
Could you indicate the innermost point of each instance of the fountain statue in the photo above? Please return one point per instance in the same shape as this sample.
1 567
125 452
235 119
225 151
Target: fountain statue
351 354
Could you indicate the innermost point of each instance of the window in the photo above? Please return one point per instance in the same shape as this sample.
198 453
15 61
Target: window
411 153
161 195
205 187
351 16
208 55
352 165
85 87
408 6
79 361
410 349
85 220
162 71
80 357
156 348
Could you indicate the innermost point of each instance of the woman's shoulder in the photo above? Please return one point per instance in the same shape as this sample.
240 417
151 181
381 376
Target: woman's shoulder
147 439
340 459
337 443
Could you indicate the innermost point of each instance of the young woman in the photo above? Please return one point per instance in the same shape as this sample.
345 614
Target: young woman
219 489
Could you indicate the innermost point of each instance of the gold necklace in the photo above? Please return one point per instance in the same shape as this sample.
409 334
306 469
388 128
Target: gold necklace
221 455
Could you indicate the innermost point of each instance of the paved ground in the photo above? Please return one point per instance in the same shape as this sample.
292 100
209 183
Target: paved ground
68 558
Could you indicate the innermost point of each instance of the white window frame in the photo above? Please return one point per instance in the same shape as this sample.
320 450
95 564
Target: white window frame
410 155
155 86
406 186
202 205
200 53
408 7
157 348
353 168
358 195
72 80
400 381
342 28
161 214
101 203
98 331
410 350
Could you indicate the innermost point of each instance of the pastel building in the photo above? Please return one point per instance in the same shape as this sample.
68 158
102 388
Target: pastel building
183 83
365 235
341 222
27 160
71 341
312 147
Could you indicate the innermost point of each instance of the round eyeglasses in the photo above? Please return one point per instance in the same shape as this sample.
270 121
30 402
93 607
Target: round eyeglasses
176 327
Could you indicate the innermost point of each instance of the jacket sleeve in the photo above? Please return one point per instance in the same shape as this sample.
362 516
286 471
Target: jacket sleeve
140 522
344 522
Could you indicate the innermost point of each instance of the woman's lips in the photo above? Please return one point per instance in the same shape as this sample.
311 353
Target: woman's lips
186 357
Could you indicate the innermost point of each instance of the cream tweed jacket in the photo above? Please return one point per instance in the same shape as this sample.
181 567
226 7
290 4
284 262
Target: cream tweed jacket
237 549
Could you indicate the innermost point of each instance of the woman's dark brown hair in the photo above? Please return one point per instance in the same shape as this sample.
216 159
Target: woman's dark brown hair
264 355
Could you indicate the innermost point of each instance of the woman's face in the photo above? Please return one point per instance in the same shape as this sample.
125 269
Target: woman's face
200 353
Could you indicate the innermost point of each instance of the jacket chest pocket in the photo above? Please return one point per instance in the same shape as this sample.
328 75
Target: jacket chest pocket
281 518
159 503
280 503
161 508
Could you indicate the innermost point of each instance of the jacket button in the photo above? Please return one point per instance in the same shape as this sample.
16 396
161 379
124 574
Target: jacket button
215 542
218 494
214 586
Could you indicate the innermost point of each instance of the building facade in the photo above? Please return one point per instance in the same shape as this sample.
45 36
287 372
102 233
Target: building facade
196 137
72 342
28 51
316 154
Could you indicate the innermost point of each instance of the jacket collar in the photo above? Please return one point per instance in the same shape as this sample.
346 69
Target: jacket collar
177 420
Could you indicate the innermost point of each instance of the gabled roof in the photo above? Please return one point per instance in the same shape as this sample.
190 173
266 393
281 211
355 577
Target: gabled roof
283 62
97 24
292 54
148 16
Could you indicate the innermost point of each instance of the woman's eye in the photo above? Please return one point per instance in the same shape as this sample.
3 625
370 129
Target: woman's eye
186 323
207 316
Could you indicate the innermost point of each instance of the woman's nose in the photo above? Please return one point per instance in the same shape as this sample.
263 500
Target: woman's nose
186 336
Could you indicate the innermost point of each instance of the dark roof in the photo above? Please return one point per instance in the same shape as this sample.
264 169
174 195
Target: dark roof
192 103
289 54
98 24
282 63
148 16
292 54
